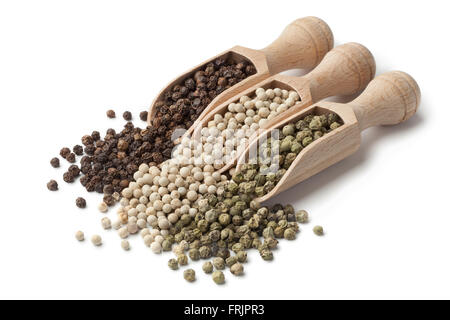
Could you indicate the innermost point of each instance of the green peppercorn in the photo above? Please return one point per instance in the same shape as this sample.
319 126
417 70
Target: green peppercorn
315 123
268 232
226 234
334 125
211 216
241 256
166 245
194 254
296 147
219 263
207 267
246 241
263 212
214 235
307 141
318 230
289 234
218 277
301 124
302 216
266 254
256 243
237 247
204 252
288 130
173 264
189 275
332 117
182 259
286 145
237 269
230 261
318 134
237 220
238 177
271 243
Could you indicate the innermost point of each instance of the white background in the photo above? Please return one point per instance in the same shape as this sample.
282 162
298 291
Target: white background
385 209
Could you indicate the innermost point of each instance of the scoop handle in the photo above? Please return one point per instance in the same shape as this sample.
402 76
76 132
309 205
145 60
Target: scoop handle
301 45
389 99
345 70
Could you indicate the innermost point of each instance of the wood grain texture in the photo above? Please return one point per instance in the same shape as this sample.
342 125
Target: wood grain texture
389 99
302 45
346 70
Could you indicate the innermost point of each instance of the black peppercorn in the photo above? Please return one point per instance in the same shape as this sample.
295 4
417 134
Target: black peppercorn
52 185
127 115
78 150
74 170
64 152
80 202
108 189
68 177
110 114
71 157
54 162
87 140
143 115
95 135
109 200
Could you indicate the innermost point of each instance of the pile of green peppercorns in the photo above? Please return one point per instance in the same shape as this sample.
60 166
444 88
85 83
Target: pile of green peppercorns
275 155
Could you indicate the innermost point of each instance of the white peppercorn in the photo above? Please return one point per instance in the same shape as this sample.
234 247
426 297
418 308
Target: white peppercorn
156 247
123 232
106 223
125 245
103 207
79 235
96 240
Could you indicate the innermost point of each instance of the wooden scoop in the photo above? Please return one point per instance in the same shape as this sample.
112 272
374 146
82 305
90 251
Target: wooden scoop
389 99
345 70
302 45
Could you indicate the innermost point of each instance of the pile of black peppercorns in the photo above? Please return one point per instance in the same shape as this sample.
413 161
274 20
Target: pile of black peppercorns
183 104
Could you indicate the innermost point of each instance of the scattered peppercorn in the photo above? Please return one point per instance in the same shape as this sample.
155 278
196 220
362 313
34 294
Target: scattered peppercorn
218 277
302 216
318 230
189 275
96 240
127 115
109 200
237 269
68 177
125 245
74 170
143 115
208 267
78 150
173 264
110 114
80 202
79 235
71 157
54 162
52 185
102 207
64 152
